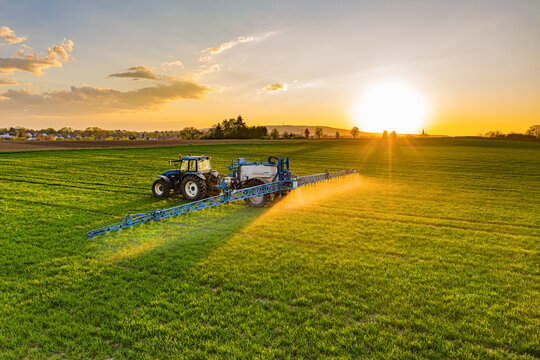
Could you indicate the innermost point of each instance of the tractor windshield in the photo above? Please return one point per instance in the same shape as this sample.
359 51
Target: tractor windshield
188 165
184 166
204 166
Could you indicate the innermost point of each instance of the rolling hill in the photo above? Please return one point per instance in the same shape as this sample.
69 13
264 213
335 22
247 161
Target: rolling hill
327 130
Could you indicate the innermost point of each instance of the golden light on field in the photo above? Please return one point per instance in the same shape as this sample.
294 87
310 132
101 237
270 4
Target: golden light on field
391 106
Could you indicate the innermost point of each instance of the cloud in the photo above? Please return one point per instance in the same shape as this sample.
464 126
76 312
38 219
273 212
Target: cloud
173 63
207 69
275 87
207 54
100 100
227 45
7 82
138 72
8 35
56 56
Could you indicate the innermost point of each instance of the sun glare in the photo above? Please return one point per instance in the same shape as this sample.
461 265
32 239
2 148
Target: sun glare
391 106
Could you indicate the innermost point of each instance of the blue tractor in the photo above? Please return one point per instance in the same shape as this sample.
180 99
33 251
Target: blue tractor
194 178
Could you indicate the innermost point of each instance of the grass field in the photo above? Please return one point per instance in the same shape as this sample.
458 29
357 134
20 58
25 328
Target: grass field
432 252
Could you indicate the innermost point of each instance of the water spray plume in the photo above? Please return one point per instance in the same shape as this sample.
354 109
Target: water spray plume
317 193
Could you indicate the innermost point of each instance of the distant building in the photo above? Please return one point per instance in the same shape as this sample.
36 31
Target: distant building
518 137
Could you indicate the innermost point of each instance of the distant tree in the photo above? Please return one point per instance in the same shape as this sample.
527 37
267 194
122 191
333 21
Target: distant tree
306 133
65 131
393 135
239 121
190 133
218 131
385 135
285 135
354 132
274 134
495 134
319 132
227 126
337 134
534 131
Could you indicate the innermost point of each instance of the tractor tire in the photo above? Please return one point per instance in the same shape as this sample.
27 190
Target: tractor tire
161 188
259 201
193 188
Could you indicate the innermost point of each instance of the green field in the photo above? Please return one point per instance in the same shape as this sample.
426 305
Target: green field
432 252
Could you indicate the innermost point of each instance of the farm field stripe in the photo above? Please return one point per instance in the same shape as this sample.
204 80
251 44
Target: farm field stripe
340 208
405 254
419 223
68 186
78 182
60 206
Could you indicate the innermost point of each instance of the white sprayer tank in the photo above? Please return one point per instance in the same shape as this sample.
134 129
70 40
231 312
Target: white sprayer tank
262 172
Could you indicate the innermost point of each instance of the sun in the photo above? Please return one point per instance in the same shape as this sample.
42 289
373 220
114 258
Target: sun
391 106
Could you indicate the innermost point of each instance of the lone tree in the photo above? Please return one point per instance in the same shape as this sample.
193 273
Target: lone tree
385 135
393 136
306 133
354 132
319 132
534 131
337 134
275 134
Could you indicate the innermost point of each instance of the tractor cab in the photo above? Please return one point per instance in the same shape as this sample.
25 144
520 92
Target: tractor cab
200 164
194 178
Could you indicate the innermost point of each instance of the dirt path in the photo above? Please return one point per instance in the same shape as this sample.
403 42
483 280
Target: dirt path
89 144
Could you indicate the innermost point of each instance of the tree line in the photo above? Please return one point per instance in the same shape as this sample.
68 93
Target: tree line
233 128
532 133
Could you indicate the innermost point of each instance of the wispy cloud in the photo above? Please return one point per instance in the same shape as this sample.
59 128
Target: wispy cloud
9 36
173 63
204 69
7 82
100 100
21 61
140 72
229 44
208 53
275 87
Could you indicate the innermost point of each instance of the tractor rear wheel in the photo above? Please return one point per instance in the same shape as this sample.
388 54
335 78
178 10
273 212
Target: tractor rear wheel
161 188
258 201
193 188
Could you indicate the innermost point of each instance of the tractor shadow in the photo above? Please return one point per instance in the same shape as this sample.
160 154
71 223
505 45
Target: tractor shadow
195 234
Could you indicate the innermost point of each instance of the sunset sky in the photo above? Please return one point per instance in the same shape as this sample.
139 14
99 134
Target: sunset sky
141 65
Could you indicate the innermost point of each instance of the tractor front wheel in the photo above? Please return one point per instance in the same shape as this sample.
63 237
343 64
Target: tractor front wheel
193 188
161 188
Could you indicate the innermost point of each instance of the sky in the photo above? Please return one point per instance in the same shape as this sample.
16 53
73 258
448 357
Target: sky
165 65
